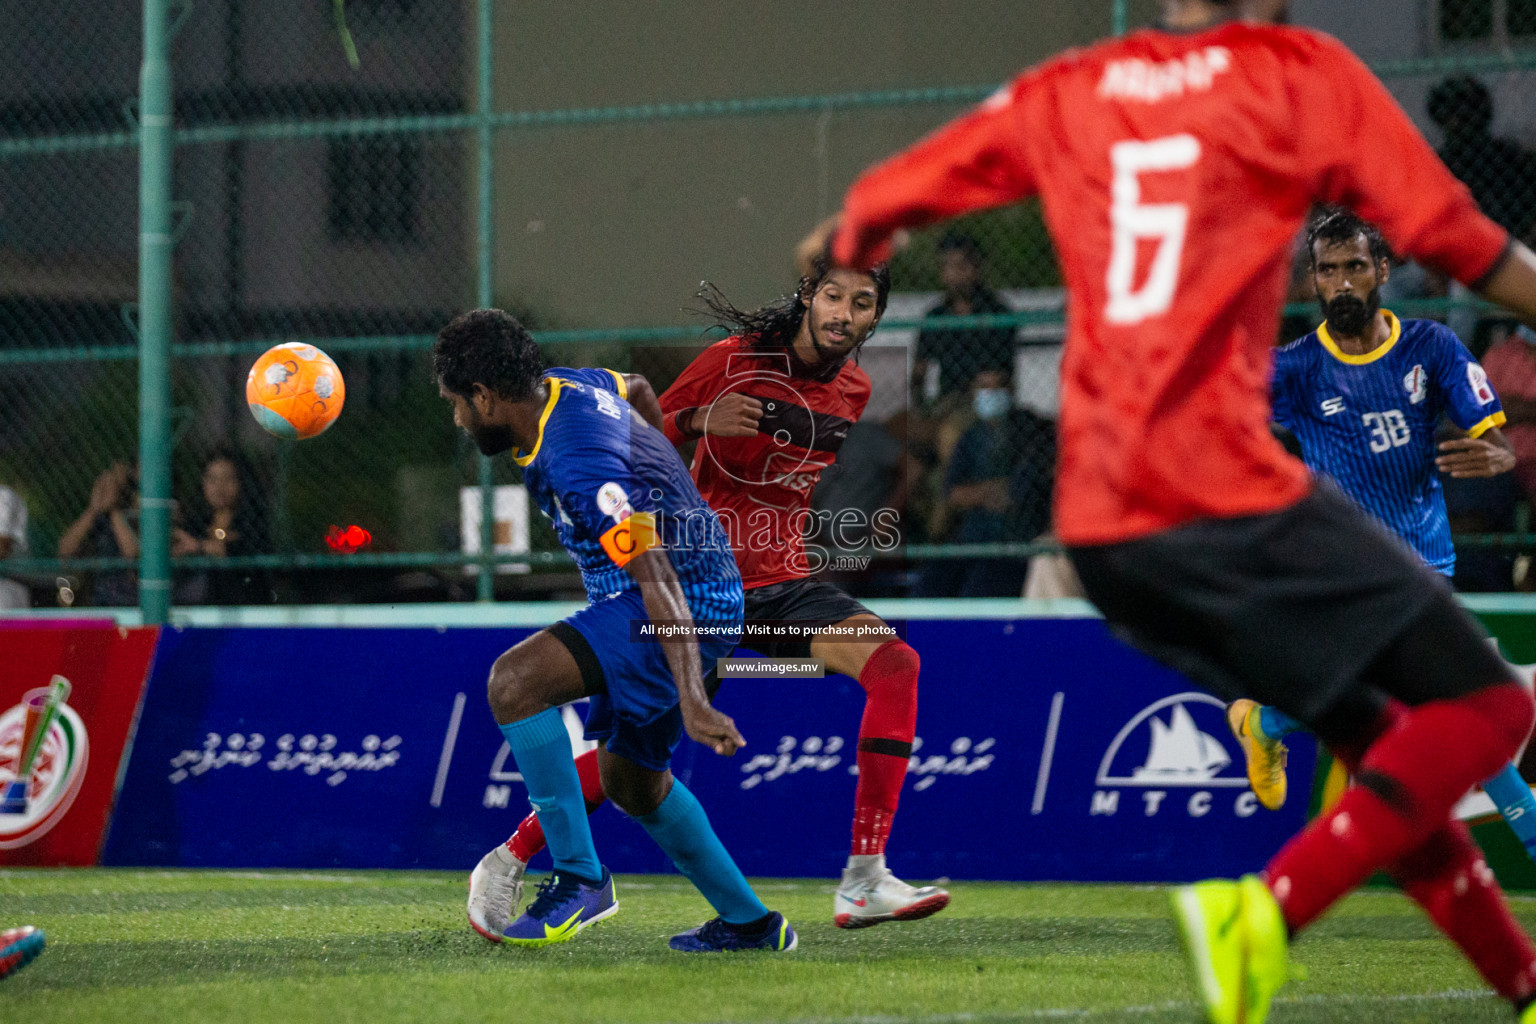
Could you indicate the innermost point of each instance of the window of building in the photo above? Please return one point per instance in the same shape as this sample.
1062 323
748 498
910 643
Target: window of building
1492 23
373 189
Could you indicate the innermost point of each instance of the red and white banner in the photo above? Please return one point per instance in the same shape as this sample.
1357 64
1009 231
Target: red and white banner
68 694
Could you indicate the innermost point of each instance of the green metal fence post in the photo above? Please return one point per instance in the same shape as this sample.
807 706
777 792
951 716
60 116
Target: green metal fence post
1121 17
485 586
155 244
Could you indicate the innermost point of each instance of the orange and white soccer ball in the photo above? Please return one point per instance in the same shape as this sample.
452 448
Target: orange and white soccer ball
295 390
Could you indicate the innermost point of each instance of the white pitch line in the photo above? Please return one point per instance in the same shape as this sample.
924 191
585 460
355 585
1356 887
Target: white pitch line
1047 753
266 876
450 740
1064 1013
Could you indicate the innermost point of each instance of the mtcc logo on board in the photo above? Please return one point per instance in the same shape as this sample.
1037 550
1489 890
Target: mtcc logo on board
1173 755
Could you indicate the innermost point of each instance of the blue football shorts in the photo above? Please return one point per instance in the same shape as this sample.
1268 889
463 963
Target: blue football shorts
634 709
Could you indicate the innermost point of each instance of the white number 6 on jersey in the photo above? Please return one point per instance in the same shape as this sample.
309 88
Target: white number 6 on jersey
1131 221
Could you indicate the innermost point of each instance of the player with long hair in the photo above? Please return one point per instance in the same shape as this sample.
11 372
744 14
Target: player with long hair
1175 167
769 407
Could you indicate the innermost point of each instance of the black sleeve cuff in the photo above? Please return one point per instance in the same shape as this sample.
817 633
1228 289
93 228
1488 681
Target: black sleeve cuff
681 421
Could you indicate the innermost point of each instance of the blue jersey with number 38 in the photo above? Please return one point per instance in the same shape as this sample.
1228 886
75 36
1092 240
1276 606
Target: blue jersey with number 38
1369 421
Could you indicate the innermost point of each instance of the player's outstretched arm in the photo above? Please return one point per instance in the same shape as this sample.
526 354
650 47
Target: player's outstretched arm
976 162
642 396
1513 284
664 603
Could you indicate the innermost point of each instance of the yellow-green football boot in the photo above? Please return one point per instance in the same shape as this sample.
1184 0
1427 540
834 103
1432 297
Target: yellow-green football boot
1235 939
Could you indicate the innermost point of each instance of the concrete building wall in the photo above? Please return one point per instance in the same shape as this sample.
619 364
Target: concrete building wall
619 224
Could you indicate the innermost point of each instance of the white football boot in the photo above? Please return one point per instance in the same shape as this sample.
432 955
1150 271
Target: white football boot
495 890
870 894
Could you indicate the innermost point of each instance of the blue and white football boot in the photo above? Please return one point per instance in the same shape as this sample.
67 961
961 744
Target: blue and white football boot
715 936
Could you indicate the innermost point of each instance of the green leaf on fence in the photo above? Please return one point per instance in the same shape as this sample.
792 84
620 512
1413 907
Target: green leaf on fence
347 46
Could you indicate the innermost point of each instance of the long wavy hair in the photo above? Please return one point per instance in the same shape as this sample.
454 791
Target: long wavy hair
774 325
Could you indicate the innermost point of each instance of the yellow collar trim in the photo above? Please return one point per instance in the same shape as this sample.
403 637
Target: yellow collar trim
1369 357
555 384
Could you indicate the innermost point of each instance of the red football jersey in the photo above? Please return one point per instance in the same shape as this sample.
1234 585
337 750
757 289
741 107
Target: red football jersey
761 486
1175 171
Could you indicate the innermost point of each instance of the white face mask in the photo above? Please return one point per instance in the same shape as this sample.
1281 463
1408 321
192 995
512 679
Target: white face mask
991 403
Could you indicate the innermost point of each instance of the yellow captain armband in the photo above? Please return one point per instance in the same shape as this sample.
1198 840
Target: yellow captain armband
631 538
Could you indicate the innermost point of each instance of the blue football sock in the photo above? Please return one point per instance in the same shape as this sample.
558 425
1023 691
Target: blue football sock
682 830
543 752
1276 724
1512 797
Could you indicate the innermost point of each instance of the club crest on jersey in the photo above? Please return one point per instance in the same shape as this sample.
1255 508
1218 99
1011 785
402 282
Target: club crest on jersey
1416 383
613 500
1480 386
1333 406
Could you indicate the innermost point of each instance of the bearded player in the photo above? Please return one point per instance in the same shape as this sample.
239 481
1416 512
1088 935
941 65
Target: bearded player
1175 167
1363 394
649 550
769 407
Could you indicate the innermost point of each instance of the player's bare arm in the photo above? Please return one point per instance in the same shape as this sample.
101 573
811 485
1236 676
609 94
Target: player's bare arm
1513 284
1468 458
664 602
642 396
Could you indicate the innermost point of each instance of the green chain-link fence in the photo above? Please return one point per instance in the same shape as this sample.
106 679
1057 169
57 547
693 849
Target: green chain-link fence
359 208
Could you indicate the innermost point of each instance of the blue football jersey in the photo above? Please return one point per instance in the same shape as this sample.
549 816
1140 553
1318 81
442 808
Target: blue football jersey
1369 421
598 470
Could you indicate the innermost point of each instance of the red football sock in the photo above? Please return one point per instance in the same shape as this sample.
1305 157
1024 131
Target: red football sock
529 837
1448 877
885 742
1407 783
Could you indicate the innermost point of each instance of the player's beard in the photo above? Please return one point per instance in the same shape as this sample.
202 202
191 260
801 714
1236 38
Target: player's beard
828 353
491 439
1350 315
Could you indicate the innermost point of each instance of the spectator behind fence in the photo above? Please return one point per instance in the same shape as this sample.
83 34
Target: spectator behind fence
13 544
1511 368
1501 175
109 528
869 477
949 358
222 521
996 490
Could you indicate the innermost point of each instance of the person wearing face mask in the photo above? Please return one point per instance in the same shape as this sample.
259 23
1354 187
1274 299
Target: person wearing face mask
997 476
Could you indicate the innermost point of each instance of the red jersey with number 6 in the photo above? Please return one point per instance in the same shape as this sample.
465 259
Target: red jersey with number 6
1175 171
760 486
